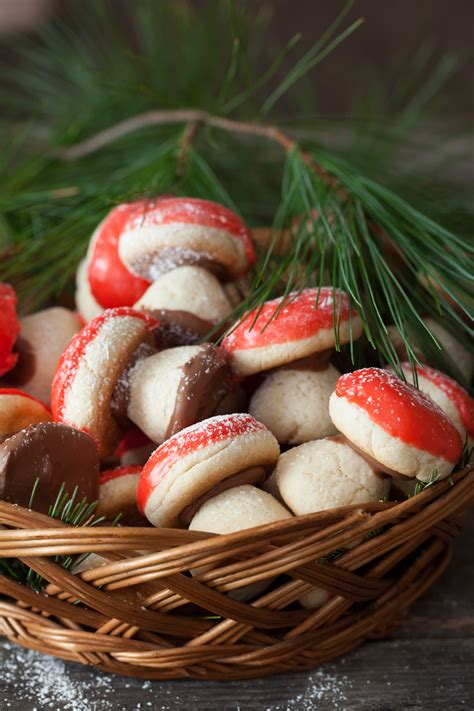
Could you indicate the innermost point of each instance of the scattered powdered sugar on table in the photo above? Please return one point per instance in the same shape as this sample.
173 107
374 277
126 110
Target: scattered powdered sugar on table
321 687
37 682
43 682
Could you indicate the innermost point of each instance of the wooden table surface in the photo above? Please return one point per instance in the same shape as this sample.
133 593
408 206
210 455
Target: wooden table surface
427 664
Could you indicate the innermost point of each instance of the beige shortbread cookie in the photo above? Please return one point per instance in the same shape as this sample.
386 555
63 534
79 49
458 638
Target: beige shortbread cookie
235 510
294 404
191 289
43 337
325 474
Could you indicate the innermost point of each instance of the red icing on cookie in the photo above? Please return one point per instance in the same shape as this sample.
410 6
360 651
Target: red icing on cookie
460 397
198 436
71 358
20 393
110 474
134 439
194 211
301 317
402 411
9 328
111 283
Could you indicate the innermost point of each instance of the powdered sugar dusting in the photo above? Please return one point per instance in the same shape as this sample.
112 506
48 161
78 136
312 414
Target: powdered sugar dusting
214 429
321 687
188 210
193 439
401 410
72 357
303 315
48 683
169 258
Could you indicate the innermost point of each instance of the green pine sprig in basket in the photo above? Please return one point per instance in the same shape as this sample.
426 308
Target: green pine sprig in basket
167 99
68 509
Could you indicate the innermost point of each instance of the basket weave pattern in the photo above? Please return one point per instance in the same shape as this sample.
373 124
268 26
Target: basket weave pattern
143 615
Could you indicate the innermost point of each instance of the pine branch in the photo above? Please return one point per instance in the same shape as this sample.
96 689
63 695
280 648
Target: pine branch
69 510
333 209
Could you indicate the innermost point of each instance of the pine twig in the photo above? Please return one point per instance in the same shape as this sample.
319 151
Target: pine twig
185 144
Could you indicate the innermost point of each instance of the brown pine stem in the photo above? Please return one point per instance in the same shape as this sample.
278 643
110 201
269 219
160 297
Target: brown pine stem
193 118
185 144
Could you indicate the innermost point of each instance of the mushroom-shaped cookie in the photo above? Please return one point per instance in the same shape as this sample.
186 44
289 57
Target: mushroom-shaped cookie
9 327
110 283
43 337
453 399
43 457
89 370
457 353
188 382
201 462
293 402
175 231
18 410
404 432
283 331
189 301
325 474
118 494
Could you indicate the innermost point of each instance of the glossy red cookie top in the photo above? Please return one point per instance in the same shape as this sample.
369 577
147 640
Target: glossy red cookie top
192 439
71 358
459 396
117 472
402 411
111 283
301 317
169 210
9 328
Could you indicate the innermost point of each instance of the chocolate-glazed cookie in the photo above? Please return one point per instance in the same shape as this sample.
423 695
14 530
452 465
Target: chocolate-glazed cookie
176 388
54 454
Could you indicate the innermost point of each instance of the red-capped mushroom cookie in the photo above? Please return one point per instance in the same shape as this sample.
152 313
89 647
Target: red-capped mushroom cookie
89 370
200 462
9 327
42 339
395 424
118 494
111 284
43 457
178 231
18 410
283 331
453 399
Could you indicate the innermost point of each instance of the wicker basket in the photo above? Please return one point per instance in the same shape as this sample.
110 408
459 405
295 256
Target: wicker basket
143 615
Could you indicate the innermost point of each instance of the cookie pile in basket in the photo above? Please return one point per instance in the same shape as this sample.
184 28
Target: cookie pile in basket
125 402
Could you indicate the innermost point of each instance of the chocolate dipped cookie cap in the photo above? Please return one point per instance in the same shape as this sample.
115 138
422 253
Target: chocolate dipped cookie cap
54 454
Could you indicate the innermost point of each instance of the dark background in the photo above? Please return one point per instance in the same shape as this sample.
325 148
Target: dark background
395 38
